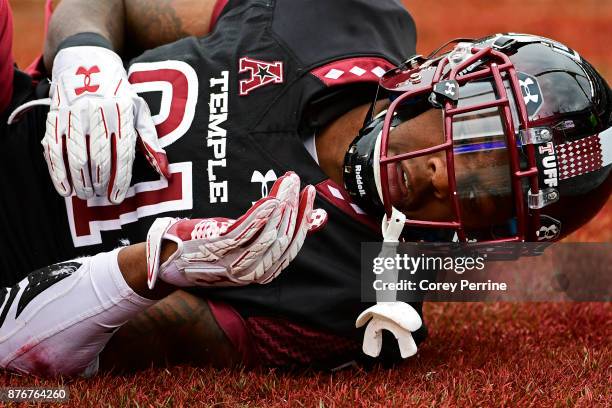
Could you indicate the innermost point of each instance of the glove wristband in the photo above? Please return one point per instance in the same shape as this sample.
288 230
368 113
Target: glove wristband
85 39
155 237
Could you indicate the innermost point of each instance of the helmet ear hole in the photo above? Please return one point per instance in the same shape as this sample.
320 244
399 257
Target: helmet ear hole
439 177
360 166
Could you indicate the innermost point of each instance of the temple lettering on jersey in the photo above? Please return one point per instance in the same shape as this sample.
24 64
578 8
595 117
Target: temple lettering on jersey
216 137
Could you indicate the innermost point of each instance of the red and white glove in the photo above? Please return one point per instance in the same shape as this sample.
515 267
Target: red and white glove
93 124
255 248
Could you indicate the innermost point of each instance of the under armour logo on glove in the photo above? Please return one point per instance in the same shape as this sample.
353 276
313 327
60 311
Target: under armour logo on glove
87 86
255 248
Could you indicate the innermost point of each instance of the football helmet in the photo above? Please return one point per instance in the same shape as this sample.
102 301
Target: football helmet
525 139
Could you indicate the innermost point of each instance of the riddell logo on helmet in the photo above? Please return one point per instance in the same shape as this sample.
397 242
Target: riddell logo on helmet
549 164
359 180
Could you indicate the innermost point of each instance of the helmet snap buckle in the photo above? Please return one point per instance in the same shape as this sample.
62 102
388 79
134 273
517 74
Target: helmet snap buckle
416 78
536 135
543 198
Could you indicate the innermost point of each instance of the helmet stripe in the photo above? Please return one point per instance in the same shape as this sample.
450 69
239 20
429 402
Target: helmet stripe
585 155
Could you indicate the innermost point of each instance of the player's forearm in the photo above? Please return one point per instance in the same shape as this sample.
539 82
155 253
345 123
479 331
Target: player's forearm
132 262
71 17
131 26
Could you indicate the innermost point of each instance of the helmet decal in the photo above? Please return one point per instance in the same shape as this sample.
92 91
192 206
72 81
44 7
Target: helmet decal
532 94
550 229
547 163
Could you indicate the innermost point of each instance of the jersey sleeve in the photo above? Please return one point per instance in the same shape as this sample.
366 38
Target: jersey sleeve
6 55
318 32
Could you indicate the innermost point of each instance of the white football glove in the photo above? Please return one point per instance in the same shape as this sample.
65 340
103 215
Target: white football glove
252 249
397 317
93 124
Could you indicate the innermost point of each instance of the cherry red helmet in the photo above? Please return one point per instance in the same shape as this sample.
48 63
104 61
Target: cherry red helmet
529 119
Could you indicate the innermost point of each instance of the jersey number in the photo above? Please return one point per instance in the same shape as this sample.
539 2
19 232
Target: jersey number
178 84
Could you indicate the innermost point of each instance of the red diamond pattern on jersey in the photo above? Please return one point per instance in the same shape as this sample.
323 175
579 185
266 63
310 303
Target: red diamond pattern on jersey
352 70
579 157
339 198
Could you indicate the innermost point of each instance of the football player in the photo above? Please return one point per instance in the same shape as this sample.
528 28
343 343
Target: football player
499 139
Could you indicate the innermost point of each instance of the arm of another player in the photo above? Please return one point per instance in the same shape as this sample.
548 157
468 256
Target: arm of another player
147 23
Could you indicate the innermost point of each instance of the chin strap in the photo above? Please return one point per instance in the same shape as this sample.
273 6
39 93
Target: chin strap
388 314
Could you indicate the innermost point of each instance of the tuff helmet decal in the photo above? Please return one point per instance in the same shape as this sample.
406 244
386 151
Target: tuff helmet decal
527 122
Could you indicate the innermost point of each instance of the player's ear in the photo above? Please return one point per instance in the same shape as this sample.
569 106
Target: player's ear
436 165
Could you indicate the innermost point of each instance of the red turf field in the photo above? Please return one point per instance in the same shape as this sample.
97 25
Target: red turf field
477 354
512 355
